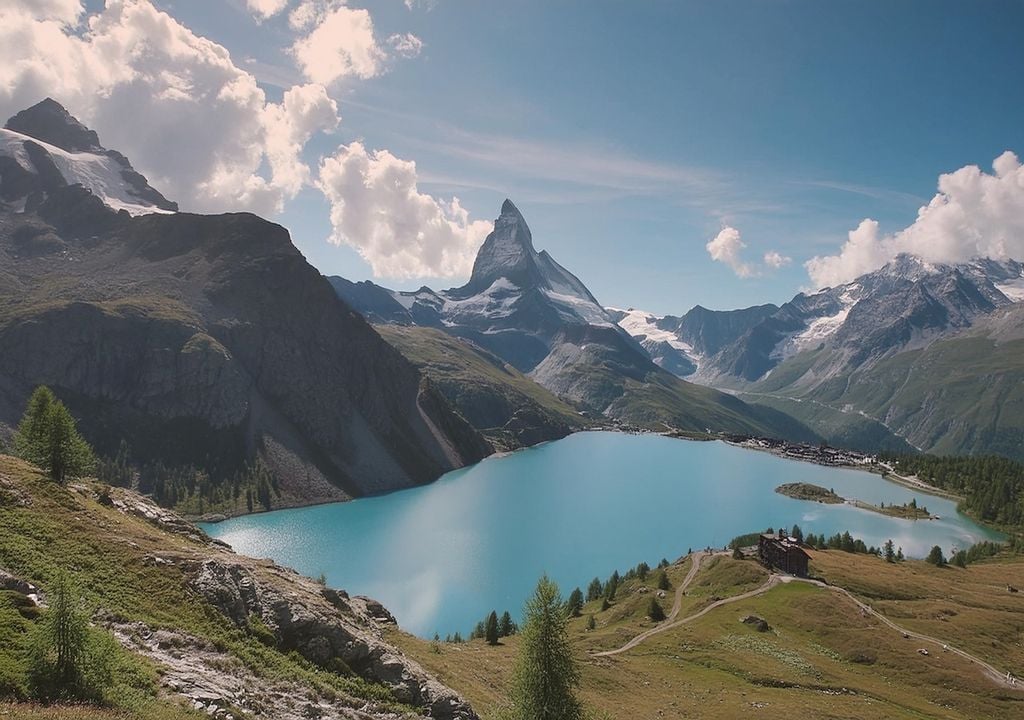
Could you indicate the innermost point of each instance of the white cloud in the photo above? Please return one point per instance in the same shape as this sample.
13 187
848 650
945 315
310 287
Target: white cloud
726 247
340 45
377 209
774 260
195 124
974 214
64 11
264 9
303 111
406 45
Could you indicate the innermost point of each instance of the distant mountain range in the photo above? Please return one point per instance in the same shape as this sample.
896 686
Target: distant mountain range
207 344
854 359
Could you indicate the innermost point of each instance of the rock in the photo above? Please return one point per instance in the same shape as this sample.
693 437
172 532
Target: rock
324 625
18 585
758 623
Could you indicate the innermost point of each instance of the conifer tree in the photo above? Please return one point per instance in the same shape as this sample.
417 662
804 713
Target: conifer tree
594 590
506 627
546 674
654 611
575 603
491 629
47 437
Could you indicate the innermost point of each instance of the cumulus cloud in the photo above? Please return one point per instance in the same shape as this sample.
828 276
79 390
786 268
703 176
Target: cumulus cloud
727 247
377 209
775 261
341 43
64 11
974 214
406 44
289 125
264 9
197 125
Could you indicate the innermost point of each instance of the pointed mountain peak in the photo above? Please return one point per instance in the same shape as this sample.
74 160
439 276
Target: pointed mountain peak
509 208
50 122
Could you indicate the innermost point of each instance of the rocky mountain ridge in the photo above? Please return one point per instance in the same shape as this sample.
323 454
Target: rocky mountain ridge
207 343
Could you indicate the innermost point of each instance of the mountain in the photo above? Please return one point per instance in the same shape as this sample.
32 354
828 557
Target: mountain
44 148
207 344
682 344
902 305
523 307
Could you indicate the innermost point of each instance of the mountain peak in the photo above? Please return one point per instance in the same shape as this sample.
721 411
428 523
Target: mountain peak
50 122
509 208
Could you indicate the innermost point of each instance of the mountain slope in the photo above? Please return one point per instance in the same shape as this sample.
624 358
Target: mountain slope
223 635
207 342
507 407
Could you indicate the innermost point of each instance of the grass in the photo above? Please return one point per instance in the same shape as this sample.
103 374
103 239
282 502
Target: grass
109 556
482 388
821 658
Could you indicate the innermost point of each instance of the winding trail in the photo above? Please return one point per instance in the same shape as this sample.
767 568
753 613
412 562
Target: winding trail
1001 678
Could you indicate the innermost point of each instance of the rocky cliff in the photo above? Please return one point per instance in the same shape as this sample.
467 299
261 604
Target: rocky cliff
207 342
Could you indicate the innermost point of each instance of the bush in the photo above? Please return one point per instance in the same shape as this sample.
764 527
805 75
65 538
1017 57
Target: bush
654 611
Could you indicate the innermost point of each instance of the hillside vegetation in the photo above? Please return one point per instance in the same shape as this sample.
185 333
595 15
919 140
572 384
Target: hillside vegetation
197 626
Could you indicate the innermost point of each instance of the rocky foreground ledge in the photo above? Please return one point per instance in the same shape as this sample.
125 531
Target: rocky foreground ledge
215 595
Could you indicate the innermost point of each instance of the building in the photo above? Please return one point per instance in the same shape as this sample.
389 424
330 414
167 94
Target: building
782 552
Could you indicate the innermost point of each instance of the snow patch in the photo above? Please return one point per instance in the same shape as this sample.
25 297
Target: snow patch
576 307
1012 289
99 174
641 325
497 301
819 329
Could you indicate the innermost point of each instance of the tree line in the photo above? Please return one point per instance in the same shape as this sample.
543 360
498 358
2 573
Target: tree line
992 487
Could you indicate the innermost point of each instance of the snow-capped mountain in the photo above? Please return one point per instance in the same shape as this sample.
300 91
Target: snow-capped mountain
516 302
538 317
44 148
905 304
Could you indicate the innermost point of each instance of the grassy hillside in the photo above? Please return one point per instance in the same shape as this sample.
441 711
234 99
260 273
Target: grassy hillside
821 658
959 395
509 408
665 400
195 621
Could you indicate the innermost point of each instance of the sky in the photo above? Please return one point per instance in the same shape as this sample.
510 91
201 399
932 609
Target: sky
668 153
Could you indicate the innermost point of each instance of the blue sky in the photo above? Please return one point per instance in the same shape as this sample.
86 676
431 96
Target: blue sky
630 133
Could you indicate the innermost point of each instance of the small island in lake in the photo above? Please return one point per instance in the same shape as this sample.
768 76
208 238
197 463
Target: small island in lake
807 491
816 493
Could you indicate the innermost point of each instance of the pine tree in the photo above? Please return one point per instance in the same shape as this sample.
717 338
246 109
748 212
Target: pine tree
575 603
546 674
642 570
594 590
68 660
506 627
491 630
611 586
591 623
47 438
890 555
797 534
663 582
899 554
654 611
935 556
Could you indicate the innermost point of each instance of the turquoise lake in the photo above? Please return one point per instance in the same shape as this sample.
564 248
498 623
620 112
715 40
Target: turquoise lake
443 555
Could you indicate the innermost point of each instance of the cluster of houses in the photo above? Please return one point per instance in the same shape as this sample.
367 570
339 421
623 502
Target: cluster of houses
820 454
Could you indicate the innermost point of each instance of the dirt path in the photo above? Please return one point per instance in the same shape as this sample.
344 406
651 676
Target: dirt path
1001 678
